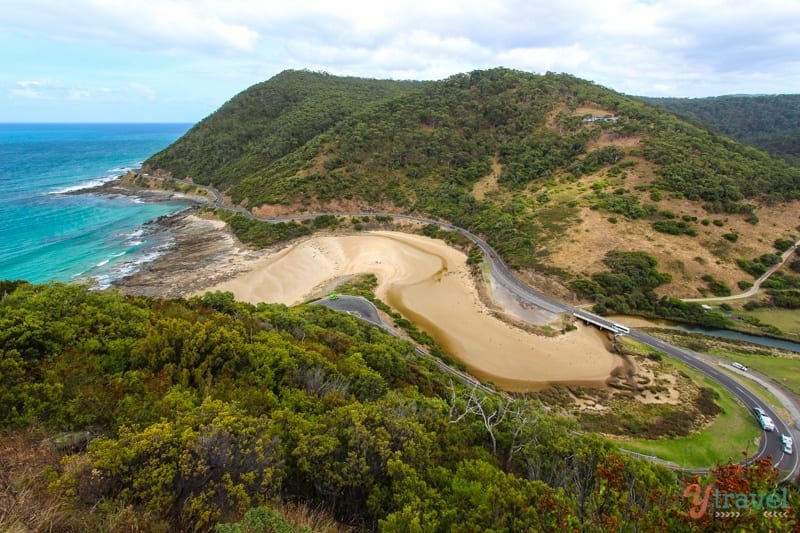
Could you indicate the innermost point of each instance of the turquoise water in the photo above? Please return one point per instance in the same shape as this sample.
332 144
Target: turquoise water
48 235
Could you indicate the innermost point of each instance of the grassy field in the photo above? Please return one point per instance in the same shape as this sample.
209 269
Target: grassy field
786 320
734 431
783 370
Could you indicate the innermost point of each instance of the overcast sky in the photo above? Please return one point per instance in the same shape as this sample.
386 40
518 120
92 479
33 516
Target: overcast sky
179 60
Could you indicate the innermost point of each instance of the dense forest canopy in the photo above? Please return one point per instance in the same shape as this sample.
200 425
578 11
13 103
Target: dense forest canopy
184 414
768 122
268 121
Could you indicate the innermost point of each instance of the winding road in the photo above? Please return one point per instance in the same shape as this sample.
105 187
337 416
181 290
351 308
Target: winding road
756 284
769 445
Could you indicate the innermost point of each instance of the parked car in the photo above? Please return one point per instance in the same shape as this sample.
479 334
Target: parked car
740 366
786 440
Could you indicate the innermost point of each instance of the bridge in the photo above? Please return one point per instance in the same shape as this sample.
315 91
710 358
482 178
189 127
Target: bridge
613 327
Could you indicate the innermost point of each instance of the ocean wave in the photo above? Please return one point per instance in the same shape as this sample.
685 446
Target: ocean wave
90 184
119 170
112 174
127 268
104 262
134 238
101 282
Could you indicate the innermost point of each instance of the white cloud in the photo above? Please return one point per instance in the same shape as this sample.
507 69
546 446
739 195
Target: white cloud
168 26
33 89
682 47
51 89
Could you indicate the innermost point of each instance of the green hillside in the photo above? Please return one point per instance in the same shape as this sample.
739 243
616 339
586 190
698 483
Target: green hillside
540 165
268 121
768 122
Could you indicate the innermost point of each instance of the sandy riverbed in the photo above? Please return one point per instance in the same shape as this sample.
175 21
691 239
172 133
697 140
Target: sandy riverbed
428 281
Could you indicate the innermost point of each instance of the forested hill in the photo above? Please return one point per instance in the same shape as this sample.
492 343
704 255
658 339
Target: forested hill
768 122
270 120
520 158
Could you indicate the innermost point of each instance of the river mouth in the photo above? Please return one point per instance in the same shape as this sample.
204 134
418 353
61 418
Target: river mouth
429 283
445 339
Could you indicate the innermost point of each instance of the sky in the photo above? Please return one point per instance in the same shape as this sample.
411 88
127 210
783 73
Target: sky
180 60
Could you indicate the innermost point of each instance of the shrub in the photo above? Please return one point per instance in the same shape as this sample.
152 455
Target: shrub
754 268
326 221
674 227
719 223
717 287
733 237
787 299
783 244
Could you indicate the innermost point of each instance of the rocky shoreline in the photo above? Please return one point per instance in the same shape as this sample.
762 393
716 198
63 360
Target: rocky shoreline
204 253
123 186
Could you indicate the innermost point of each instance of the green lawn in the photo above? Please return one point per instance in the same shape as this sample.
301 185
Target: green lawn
785 320
783 370
734 431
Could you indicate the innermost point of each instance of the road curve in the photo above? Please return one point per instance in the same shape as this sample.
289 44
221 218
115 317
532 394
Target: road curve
769 445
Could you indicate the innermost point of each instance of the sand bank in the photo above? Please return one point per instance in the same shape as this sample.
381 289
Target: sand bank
428 282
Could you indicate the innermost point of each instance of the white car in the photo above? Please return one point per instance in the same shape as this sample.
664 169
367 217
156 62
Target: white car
766 423
740 366
786 440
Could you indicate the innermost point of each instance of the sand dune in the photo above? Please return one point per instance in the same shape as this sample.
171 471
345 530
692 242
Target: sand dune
429 283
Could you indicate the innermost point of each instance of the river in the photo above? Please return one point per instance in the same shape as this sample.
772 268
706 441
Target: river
738 336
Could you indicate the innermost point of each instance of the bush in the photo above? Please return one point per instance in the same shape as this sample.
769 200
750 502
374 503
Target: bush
326 221
717 287
719 223
674 227
733 237
754 268
783 244
262 519
787 299
744 285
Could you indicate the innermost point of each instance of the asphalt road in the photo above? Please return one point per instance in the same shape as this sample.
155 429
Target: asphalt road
770 444
366 310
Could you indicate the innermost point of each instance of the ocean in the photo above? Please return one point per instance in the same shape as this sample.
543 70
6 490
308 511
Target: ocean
48 235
